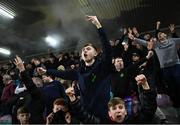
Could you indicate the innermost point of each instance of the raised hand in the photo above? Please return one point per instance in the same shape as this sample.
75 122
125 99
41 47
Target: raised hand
141 80
41 70
172 28
158 25
68 117
150 54
71 94
94 21
49 118
19 64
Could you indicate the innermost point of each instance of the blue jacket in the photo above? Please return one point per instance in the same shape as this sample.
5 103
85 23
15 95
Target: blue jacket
51 92
94 81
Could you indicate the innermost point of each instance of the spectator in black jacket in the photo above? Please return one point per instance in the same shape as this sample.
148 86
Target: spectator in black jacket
117 112
93 75
122 77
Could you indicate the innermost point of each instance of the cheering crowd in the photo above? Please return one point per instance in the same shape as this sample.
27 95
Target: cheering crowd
117 83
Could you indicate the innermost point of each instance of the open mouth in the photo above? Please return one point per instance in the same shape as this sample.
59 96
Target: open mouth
85 55
119 116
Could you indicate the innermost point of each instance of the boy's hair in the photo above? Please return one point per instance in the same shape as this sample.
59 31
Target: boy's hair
89 44
117 57
60 101
115 101
22 110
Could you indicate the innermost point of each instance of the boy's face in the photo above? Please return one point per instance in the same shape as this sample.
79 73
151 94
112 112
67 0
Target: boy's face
117 113
135 58
119 64
88 53
23 118
36 62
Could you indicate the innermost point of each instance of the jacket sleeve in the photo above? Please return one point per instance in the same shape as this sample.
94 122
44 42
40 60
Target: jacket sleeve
79 111
176 40
148 106
106 48
141 41
67 74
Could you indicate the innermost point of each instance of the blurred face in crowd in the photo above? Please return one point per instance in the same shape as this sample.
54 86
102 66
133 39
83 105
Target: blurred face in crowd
37 81
6 79
29 66
12 73
119 64
135 58
23 118
161 36
88 54
147 36
112 42
117 113
46 79
36 62
43 60
51 60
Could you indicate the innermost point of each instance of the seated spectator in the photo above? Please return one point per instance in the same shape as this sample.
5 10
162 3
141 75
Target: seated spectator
23 116
7 94
61 113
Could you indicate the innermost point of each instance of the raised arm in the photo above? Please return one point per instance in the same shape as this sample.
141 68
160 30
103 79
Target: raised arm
147 100
106 47
133 68
66 74
158 23
78 110
176 40
140 41
25 77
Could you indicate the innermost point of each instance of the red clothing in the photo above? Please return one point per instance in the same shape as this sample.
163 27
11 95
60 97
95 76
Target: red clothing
8 91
